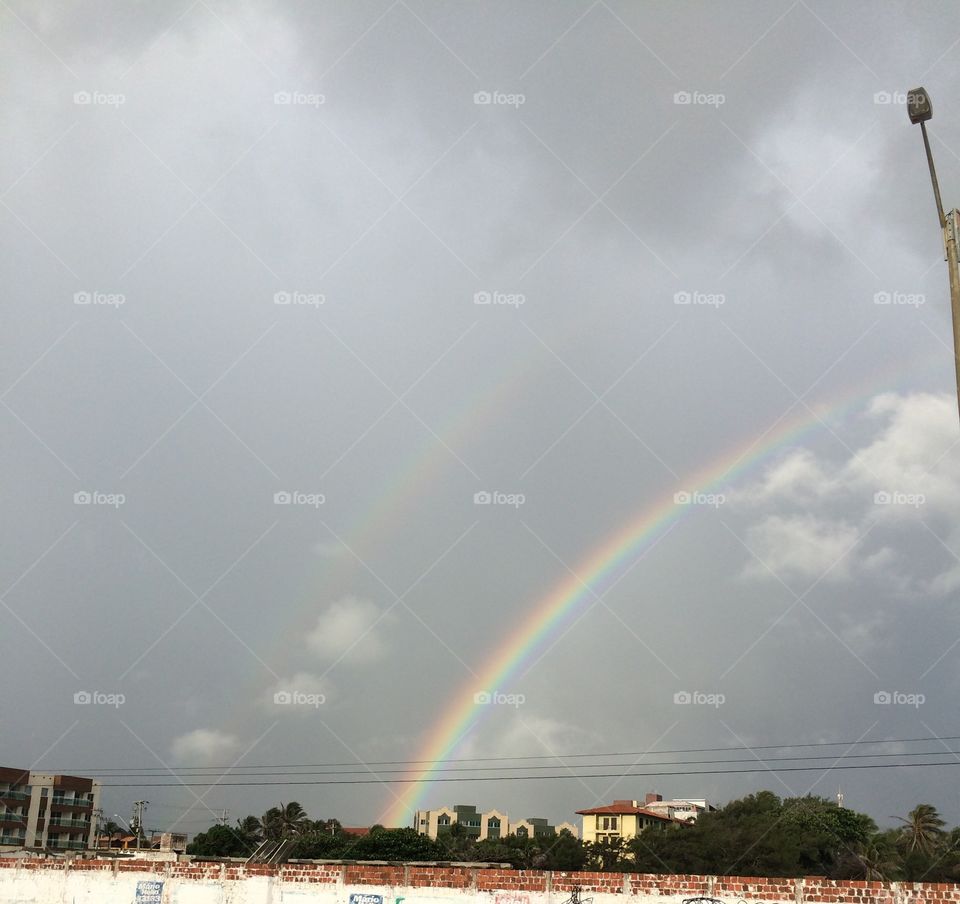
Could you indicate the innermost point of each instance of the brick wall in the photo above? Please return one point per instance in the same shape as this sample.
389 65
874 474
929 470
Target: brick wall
332 883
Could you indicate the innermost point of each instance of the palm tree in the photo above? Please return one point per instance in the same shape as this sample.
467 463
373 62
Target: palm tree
285 821
250 830
922 829
874 861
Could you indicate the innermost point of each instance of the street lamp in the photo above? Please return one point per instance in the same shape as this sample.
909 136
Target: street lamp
919 109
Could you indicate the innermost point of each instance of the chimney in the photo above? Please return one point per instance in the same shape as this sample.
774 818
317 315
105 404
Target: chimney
652 798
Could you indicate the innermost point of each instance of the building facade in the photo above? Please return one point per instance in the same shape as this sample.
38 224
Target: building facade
685 810
481 826
623 819
42 810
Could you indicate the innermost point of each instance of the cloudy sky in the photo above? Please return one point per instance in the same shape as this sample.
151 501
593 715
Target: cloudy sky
287 284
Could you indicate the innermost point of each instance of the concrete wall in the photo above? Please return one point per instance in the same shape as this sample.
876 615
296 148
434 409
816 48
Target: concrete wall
131 882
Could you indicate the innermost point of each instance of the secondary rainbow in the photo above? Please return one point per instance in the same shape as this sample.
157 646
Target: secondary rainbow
559 609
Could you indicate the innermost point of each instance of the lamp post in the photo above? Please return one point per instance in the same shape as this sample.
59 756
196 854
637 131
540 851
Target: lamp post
920 111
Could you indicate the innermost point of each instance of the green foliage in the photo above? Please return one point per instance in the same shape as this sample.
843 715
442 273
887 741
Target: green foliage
220 841
384 844
757 835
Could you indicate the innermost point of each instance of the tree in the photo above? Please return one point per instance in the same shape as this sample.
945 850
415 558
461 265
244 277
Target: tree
922 829
285 821
220 841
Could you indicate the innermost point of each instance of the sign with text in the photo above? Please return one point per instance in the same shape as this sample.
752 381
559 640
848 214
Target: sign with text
149 893
366 899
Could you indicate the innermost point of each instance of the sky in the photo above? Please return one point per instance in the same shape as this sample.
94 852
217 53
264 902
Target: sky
288 284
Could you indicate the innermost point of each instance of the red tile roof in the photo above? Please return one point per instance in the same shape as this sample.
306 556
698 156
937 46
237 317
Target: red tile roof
623 809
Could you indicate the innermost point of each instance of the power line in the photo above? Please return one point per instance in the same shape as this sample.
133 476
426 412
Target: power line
566 756
520 778
825 756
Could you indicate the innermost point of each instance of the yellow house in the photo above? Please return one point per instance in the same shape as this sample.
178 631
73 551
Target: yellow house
622 819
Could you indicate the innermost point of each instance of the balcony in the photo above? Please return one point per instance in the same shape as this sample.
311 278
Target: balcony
13 817
66 845
12 839
72 823
70 802
16 795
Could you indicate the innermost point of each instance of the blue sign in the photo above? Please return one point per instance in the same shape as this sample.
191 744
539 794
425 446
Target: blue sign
366 899
149 892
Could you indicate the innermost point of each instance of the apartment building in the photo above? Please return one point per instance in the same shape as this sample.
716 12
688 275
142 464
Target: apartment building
42 810
622 819
684 810
491 824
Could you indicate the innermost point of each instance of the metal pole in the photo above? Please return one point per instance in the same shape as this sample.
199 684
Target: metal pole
950 237
933 175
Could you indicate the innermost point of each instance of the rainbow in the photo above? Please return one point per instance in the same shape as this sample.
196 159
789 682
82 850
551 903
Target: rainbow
560 607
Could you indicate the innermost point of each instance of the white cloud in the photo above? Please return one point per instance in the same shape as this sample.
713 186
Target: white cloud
797 478
204 745
911 465
802 546
348 629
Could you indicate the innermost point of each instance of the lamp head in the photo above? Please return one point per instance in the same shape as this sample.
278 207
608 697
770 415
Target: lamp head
919 108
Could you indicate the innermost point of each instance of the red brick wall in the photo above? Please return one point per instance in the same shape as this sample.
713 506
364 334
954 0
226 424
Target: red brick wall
508 886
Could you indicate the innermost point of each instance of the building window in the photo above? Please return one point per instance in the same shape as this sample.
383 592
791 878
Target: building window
443 820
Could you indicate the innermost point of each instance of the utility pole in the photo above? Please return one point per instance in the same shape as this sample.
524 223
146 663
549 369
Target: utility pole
97 826
920 111
137 822
223 817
